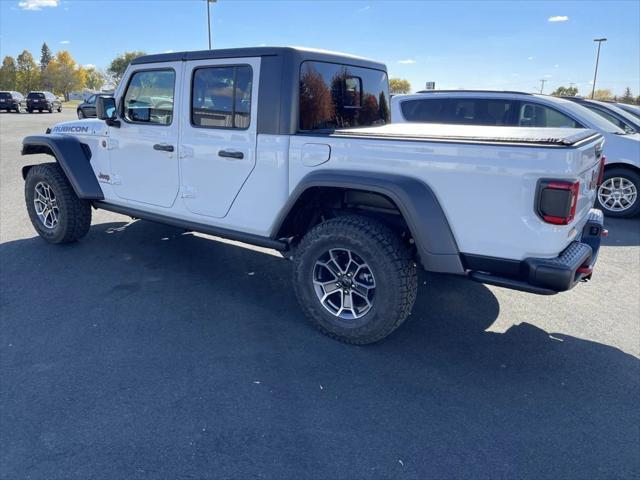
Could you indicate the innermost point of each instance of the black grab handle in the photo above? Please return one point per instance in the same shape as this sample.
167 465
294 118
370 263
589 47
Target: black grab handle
230 154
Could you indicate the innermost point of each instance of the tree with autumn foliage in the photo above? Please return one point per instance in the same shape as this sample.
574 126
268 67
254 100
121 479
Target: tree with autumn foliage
27 73
64 74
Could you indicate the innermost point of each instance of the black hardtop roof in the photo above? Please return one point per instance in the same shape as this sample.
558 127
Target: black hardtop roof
298 53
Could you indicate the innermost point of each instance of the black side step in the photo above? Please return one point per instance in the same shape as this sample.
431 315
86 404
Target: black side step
509 283
249 238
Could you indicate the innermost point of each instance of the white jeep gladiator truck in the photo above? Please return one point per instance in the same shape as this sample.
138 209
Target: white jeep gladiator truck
292 149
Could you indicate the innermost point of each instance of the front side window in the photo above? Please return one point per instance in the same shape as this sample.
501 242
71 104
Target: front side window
149 97
533 115
608 116
334 96
221 97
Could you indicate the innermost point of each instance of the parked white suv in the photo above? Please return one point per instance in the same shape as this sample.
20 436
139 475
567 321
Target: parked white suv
618 194
291 149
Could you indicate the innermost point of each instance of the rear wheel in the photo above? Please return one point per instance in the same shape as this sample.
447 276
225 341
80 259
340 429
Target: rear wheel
618 194
354 279
55 211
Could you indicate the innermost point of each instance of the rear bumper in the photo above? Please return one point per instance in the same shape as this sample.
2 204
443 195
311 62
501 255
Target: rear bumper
545 276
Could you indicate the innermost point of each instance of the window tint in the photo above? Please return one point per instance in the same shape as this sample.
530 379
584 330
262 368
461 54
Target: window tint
532 115
35 95
336 96
92 99
5 95
149 97
430 110
221 97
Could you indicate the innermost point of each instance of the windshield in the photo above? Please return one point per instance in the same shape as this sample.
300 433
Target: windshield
584 115
5 95
35 95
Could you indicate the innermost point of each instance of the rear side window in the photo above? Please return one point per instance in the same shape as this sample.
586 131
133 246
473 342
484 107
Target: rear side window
481 111
431 110
149 97
460 111
334 96
221 97
534 115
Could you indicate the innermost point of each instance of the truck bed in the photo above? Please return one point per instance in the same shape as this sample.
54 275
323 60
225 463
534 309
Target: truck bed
557 137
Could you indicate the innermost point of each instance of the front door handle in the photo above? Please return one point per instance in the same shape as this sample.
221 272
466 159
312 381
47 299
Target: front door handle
163 147
231 154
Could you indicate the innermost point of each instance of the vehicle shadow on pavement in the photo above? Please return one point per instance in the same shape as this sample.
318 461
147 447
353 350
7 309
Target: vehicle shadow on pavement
623 232
143 352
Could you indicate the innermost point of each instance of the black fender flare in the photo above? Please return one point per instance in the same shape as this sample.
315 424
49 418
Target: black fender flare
74 158
435 242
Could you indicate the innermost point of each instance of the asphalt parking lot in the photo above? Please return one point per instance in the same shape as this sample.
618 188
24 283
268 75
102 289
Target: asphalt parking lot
146 353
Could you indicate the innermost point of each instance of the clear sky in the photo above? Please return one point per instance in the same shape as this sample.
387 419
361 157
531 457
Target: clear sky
494 45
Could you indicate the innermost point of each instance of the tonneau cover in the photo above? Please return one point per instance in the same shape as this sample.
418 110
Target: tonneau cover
475 134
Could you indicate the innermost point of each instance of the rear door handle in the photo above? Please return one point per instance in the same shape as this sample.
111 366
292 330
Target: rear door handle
231 154
163 147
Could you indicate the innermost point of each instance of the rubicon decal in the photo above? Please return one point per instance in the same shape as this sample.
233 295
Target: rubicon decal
70 129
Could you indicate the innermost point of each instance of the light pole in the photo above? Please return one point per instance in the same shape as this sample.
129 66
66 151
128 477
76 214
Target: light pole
209 19
595 74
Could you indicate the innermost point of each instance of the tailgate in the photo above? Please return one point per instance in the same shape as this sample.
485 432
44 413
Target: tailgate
589 164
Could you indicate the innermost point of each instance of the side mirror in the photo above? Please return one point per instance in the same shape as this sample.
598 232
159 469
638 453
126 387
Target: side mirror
106 108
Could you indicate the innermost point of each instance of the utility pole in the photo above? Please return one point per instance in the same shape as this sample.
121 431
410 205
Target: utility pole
595 74
542 82
209 19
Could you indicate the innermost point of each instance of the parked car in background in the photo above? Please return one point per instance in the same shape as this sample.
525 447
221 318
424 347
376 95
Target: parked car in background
610 111
41 101
632 109
87 109
618 194
12 101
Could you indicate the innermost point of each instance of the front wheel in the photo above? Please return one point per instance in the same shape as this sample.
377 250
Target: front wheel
55 211
355 279
80 114
618 194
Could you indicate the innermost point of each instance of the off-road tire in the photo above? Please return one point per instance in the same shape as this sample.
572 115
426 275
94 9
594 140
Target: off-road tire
633 177
390 262
74 218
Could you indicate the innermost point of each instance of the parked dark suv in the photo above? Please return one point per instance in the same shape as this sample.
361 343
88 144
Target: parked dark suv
43 101
12 101
87 109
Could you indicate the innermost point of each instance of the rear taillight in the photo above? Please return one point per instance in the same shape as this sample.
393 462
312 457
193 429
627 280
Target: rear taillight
557 201
603 159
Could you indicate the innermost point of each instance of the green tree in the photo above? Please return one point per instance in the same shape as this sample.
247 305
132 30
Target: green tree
8 74
65 74
399 85
627 97
565 92
27 73
119 64
45 56
94 78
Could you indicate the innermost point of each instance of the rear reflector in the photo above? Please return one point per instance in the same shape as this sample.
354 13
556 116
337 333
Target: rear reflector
603 159
557 201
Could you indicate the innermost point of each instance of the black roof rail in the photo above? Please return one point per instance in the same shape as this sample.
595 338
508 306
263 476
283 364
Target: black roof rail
474 91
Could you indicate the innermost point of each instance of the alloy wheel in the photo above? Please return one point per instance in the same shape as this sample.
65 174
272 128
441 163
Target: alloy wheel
617 194
46 205
344 283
